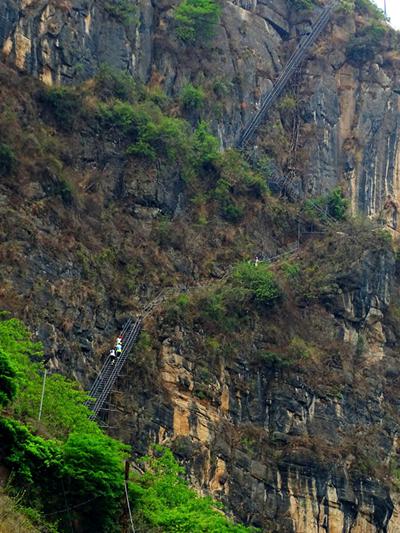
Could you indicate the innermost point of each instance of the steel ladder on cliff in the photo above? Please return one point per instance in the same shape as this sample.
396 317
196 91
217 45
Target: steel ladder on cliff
112 367
297 57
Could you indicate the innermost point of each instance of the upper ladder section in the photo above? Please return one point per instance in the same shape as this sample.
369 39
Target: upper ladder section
112 367
270 98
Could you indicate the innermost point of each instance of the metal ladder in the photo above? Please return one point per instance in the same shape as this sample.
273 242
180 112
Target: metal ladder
300 53
112 367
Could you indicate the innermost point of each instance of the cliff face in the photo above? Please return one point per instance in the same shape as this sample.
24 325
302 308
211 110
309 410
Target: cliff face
294 447
347 115
88 235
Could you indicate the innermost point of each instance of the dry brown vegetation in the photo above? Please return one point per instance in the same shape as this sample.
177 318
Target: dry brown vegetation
12 520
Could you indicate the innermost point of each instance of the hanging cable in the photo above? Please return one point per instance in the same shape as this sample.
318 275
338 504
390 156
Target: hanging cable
129 505
42 396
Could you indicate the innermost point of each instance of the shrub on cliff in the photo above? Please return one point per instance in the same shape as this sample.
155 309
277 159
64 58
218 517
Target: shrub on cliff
64 103
302 4
196 20
114 83
122 10
363 46
333 205
163 500
63 408
258 280
8 160
367 7
191 97
8 385
153 134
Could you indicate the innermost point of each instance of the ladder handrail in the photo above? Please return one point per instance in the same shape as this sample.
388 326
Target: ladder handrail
115 365
110 382
100 376
114 370
286 73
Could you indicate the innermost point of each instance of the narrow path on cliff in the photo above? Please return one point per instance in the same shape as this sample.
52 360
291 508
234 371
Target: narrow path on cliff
297 57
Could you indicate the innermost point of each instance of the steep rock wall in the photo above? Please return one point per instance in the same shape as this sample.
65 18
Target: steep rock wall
258 438
348 116
287 450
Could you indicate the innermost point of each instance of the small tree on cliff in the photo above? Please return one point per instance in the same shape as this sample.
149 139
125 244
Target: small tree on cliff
196 20
8 387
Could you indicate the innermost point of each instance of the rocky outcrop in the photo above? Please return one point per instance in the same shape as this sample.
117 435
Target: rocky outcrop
348 116
300 449
288 450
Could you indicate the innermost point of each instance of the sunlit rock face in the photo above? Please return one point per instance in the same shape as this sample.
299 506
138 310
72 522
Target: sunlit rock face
226 420
348 116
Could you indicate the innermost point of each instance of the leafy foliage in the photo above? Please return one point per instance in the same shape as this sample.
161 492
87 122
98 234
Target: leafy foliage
192 97
367 7
113 83
333 205
163 500
92 465
196 20
122 10
258 281
80 472
236 178
64 103
63 407
302 4
8 386
156 135
363 46
8 160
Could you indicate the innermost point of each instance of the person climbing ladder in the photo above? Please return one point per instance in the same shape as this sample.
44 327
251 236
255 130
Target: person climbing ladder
118 346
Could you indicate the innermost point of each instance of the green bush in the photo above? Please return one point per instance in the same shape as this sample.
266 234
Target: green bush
239 176
275 359
92 465
291 269
363 46
113 83
302 4
152 134
87 468
122 10
258 281
235 178
299 349
229 207
287 103
196 20
162 500
337 204
213 307
205 146
33 459
333 205
64 104
367 7
191 97
63 406
8 160
8 379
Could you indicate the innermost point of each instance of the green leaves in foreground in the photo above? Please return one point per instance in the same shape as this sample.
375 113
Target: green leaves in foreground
163 500
63 408
77 475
